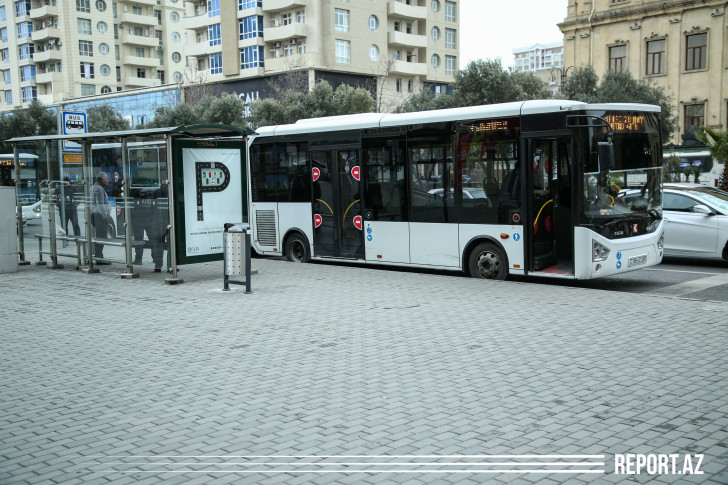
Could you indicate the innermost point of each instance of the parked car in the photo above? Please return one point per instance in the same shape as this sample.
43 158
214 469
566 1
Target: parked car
31 212
696 220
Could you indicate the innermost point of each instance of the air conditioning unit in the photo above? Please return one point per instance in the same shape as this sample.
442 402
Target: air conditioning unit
277 44
293 41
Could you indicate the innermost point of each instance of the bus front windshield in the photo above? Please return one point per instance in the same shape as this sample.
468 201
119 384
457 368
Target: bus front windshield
632 187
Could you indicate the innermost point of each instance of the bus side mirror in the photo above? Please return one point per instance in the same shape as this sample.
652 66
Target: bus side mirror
605 153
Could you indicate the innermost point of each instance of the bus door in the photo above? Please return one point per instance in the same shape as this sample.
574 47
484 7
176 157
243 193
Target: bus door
550 214
336 174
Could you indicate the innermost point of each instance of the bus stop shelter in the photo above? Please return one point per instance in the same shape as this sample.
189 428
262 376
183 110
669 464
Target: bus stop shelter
165 187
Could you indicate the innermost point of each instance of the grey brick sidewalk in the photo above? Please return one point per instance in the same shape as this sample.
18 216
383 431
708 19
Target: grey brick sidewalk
104 380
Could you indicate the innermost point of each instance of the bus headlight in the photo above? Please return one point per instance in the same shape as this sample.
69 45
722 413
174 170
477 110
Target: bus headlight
599 252
661 241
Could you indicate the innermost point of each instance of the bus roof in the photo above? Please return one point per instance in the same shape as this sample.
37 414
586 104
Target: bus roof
10 156
382 120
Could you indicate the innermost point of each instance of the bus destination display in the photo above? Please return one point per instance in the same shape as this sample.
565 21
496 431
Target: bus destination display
627 123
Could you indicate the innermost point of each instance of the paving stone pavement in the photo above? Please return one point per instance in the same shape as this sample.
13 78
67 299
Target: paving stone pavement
395 375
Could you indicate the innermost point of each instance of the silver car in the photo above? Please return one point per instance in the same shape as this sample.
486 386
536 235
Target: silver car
696 220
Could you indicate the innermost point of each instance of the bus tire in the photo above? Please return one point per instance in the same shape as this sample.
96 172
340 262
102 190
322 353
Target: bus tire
488 261
297 248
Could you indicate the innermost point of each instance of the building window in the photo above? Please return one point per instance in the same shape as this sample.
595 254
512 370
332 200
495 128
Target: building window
84 26
105 90
4 34
6 76
213 34
5 54
103 49
287 19
174 17
341 20
3 18
373 23
343 51
100 5
251 27
117 55
83 6
450 11
695 56
398 85
213 8
251 57
694 115
302 47
140 52
216 63
410 86
160 76
9 98
27 73
450 38
395 54
450 62
246 4
30 93
26 51
435 61
288 49
25 29
435 34
102 27
22 8
86 48
435 5
118 73
617 57
176 57
88 89
301 16
656 57
177 76
141 72
87 70
373 52
105 70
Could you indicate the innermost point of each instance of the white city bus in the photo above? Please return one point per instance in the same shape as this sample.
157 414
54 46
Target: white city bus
524 188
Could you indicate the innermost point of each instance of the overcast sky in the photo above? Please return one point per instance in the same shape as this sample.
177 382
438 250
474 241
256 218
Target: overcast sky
493 28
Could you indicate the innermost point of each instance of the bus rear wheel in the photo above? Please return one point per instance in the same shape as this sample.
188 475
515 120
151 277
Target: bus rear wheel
297 249
488 261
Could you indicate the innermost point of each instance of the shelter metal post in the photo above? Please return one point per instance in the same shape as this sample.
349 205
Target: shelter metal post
128 232
52 204
174 280
88 177
19 208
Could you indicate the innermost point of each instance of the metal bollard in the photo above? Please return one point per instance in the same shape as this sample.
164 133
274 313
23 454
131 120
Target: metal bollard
236 255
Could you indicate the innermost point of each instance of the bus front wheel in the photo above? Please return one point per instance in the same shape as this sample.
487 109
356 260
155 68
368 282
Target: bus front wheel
297 249
488 261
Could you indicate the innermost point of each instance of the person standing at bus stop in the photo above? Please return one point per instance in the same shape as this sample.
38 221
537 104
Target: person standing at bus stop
100 213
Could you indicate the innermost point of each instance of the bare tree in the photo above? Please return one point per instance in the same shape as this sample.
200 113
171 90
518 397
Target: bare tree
293 78
383 70
195 86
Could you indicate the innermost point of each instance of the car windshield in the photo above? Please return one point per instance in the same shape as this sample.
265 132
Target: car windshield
717 197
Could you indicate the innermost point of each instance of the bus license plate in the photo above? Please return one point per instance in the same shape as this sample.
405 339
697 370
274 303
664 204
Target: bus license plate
638 260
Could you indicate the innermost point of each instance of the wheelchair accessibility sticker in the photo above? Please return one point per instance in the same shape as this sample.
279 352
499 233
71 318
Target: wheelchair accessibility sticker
516 237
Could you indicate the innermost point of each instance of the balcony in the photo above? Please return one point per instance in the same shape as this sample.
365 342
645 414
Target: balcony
145 2
403 10
43 12
142 61
47 99
406 40
141 82
409 68
285 32
276 5
47 55
130 18
201 49
199 21
49 77
146 40
44 34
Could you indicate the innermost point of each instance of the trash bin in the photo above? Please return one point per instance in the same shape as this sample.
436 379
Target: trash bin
236 255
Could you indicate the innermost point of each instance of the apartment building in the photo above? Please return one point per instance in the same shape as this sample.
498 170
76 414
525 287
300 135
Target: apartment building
57 50
393 47
681 45
539 57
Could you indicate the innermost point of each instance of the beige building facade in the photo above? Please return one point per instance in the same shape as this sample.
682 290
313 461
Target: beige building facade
681 45
402 45
56 50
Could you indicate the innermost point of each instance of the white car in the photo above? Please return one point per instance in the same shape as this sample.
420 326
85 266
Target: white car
31 212
696 221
